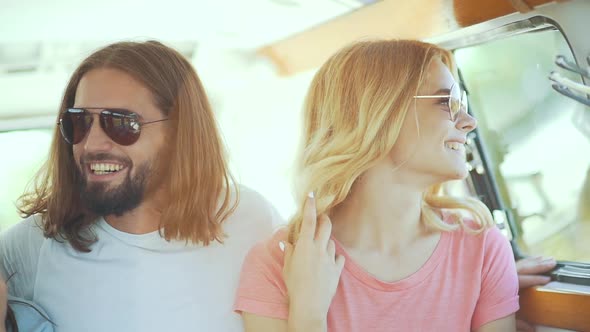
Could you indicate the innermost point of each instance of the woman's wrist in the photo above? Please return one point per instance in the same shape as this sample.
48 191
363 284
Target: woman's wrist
303 325
301 319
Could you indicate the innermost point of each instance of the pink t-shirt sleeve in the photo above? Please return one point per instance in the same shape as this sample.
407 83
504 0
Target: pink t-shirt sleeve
261 290
498 297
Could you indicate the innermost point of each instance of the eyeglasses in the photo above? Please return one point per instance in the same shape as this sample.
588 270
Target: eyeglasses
456 101
120 125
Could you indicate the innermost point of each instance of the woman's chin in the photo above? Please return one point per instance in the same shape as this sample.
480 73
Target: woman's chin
458 173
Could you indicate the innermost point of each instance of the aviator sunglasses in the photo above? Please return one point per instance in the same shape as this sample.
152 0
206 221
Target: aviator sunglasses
456 101
120 125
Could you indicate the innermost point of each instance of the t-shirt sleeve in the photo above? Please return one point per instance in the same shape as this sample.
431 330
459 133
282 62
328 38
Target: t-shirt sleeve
261 290
20 246
30 317
499 284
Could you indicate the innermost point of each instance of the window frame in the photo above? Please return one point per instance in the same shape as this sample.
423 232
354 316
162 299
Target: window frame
482 180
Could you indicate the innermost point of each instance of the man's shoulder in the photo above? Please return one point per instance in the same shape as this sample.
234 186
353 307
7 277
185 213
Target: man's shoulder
27 232
254 205
254 214
249 197
20 246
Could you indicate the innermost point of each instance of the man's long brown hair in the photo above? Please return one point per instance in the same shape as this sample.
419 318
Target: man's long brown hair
196 182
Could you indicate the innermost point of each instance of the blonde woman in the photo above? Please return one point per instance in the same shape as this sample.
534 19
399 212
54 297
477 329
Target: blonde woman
385 126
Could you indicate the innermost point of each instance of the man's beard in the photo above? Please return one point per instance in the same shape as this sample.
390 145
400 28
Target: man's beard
101 200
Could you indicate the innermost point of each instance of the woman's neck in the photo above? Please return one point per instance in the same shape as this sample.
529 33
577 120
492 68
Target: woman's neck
381 213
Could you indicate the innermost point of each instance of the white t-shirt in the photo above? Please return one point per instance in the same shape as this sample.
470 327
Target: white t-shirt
136 282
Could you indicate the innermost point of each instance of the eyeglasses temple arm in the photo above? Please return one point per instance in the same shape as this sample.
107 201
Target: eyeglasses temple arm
148 122
437 96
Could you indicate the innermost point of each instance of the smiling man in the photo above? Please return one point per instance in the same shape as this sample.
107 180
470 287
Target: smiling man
134 223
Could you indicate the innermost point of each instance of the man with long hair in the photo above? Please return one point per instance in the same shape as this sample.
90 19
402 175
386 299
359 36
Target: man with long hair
134 222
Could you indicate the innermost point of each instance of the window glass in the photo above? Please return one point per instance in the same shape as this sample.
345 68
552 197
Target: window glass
534 138
23 153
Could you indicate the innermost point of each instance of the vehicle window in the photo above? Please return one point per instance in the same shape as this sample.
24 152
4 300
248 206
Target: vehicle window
538 150
23 153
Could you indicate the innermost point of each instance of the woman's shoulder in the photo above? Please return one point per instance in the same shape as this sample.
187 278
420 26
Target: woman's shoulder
272 245
271 248
486 250
469 231
29 316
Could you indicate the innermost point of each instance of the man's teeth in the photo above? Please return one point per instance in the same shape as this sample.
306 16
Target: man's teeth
453 145
105 168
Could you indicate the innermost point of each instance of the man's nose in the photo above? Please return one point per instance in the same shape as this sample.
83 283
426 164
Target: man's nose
97 140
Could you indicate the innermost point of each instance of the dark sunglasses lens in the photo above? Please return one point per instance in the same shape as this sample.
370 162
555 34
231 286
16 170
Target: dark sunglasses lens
122 128
74 125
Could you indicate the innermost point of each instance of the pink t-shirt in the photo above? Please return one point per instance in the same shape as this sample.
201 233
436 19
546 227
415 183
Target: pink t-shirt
468 281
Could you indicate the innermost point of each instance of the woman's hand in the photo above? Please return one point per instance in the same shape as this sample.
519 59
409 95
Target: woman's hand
311 271
530 272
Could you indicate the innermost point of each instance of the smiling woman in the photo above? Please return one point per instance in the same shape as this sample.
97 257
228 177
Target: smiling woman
376 238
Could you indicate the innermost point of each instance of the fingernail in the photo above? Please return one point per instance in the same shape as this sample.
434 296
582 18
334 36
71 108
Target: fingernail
282 246
310 194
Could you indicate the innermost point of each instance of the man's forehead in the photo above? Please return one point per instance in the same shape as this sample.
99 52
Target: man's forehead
110 88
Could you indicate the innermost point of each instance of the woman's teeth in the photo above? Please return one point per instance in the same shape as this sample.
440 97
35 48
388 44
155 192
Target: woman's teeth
453 145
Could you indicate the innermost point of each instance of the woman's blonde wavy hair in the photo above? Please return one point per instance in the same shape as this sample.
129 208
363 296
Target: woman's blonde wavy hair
353 114
193 170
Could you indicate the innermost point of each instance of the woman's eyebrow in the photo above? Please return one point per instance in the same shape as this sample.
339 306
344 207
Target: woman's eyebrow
443 91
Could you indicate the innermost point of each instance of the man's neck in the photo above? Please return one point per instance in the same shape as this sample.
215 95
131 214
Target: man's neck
143 219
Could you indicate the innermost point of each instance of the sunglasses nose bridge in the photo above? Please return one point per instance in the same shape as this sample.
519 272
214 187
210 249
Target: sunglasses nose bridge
89 122
96 136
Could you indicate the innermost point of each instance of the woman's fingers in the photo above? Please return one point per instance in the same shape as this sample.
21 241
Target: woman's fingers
288 249
324 231
308 225
535 265
340 260
311 268
332 249
523 326
526 281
